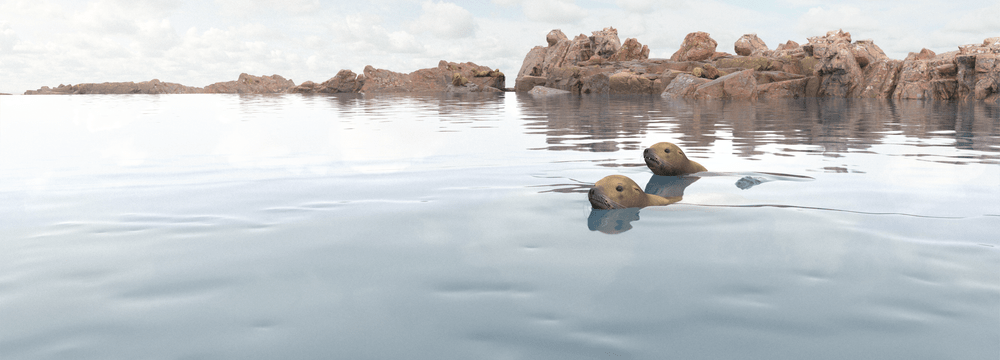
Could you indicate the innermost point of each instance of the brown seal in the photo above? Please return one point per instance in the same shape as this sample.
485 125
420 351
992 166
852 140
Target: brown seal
620 192
666 159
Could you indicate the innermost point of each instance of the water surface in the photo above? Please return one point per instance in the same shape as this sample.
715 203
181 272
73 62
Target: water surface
457 227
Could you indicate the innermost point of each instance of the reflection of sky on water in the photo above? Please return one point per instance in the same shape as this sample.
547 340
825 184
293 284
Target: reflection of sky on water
230 227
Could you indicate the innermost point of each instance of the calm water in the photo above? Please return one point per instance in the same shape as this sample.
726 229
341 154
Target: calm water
458 227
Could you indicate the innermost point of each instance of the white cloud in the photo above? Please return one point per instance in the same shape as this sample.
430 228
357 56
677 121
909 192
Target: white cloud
554 11
445 20
637 6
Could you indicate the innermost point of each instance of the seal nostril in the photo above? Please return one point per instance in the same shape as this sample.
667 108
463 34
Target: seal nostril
591 191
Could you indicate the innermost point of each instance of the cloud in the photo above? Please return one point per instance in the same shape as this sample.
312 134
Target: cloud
445 20
637 6
819 20
7 37
554 11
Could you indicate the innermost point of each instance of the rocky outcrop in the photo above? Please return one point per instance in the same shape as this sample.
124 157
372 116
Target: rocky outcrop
245 84
446 77
249 84
831 65
154 86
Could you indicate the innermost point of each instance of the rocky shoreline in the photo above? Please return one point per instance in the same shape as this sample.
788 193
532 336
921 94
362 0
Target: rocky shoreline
826 66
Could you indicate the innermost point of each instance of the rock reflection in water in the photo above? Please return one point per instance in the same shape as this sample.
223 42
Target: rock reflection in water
610 123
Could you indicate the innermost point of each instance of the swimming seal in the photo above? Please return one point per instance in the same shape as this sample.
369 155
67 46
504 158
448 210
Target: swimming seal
666 159
620 192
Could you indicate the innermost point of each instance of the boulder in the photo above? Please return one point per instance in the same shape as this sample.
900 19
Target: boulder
555 36
740 85
879 79
526 83
750 44
627 82
790 45
544 91
630 50
605 42
866 52
793 88
683 86
697 46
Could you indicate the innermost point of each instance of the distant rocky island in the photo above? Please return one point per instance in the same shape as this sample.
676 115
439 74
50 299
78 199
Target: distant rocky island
826 66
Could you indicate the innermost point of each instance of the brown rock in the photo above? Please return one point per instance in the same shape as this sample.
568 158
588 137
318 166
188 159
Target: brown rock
605 42
765 77
630 50
790 45
709 71
879 79
740 85
432 79
599 83
249 84
924 54
525 83
750 44
794 88
579 50
533 62
555 36
683 86
697 46
346 81
627 82
866 52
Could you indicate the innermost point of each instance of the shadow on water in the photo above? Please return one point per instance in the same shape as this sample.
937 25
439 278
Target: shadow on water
608 123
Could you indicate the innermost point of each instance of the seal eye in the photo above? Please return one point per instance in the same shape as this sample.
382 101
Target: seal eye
666 151
619 188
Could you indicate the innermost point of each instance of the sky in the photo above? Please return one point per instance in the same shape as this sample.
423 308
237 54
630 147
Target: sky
196 43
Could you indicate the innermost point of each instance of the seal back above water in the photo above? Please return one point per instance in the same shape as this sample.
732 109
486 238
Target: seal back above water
666 159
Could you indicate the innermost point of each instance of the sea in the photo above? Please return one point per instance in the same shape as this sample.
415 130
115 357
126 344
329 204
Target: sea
353 226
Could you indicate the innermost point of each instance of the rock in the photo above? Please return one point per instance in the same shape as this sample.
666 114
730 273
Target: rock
750 44
627 82
525 83
544 91
697 46
555 36
630 50
879 79
790 45
579 50
533 62
346 81
249 84
605 42
709 71
683 86
924 54
866 52
154 86
740 85
431 79
599 83
794 88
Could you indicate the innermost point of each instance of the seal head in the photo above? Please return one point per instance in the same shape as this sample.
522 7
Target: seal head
666 159
620 192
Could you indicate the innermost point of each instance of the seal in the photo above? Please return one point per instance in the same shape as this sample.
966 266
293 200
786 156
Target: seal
620 192
666 159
